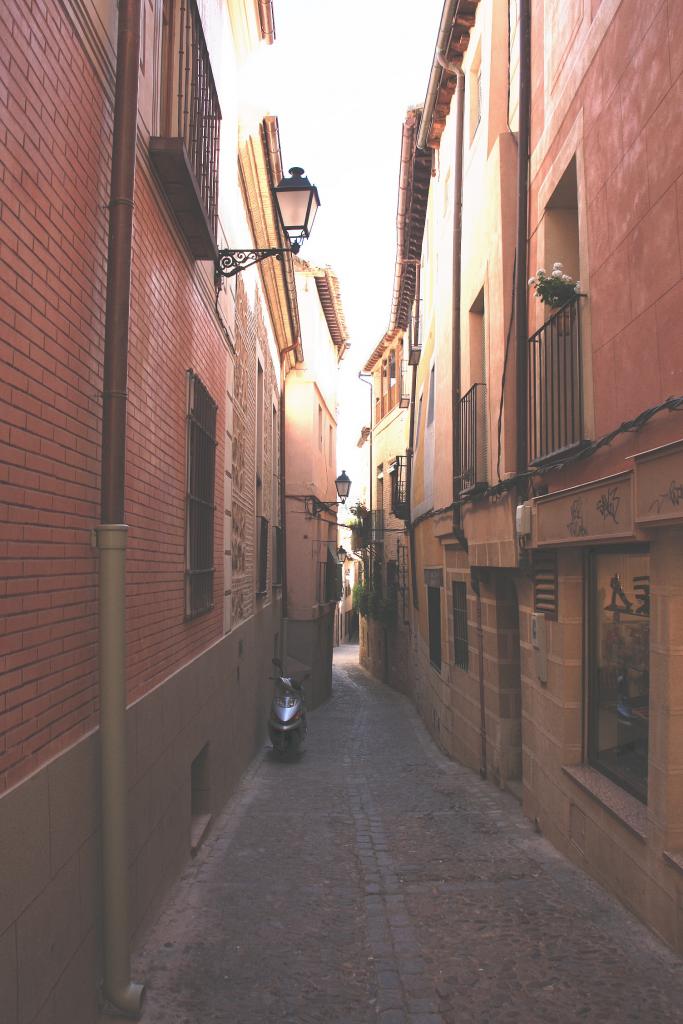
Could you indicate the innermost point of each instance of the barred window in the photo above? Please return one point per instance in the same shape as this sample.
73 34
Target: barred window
462 659
201 474
262 530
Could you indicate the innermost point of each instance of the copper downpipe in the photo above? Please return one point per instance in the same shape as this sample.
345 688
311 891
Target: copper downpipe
521 315
457 288
124 994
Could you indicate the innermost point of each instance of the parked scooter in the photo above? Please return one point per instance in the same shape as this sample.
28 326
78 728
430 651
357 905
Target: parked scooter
287 724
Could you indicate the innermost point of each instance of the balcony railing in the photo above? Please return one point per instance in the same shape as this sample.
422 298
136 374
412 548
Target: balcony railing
399 486
186 153
473 471
554 385
262 532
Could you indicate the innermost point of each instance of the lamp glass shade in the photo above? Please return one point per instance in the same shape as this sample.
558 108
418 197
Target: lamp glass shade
297 202
414 355
343 485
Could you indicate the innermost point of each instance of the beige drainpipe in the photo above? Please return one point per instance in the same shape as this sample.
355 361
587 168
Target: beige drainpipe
124 995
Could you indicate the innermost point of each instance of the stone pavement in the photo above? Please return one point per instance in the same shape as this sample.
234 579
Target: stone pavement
374 881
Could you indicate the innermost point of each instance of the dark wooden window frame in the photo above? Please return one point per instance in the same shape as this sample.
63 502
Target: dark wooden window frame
434 623
461 651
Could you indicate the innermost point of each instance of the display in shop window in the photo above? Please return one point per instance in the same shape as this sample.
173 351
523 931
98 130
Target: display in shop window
619 688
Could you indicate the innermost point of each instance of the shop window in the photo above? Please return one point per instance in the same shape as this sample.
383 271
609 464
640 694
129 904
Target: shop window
619 655
434 616
461 646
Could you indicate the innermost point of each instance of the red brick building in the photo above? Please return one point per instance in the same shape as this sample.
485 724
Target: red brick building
202 464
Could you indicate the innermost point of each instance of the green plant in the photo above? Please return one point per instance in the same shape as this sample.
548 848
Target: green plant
359 526
555 288
372 604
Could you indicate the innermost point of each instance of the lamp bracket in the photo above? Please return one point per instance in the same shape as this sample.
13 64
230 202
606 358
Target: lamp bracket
232 261
314 506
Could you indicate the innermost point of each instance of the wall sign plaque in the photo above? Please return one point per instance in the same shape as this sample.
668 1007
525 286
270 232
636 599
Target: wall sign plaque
599 511
659 485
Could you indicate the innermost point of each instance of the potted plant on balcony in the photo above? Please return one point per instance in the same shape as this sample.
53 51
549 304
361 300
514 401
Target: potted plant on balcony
359 526
556 288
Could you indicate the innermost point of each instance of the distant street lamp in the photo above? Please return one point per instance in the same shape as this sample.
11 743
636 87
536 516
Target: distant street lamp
296 202
343 485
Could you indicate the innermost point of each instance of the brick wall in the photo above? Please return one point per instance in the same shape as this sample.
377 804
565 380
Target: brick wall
55 131
54 117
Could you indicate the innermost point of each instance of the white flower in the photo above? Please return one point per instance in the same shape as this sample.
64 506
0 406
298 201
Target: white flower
540 273
577 287
531 281
556 274
566 278
558 266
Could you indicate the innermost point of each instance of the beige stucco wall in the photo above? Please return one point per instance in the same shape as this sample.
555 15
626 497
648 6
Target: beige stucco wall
310 470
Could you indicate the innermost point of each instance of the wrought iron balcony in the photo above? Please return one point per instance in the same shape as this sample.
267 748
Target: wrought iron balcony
399 487
554 385
185 155
473 470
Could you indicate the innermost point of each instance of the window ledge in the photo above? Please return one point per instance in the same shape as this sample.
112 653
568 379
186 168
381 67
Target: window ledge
615 800
674 860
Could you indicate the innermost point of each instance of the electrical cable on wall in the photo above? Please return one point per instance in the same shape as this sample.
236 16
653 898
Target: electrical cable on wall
672 404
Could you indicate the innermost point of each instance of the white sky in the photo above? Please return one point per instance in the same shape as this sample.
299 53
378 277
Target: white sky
341 76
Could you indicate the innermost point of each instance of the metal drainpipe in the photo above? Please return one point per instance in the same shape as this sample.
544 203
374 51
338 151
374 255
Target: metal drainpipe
449 13
283 498
476 587
411 442
125 995
521 315
362 376
457 281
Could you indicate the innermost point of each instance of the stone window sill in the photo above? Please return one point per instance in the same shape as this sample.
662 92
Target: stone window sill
615 800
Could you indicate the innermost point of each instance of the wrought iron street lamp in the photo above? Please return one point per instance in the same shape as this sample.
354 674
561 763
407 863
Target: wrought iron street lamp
314 506
343 485
297 203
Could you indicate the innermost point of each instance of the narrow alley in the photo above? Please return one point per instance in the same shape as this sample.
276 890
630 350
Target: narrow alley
373 879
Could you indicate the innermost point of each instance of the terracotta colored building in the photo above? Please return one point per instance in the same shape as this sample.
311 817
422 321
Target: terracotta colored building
314 572
200 502
544 502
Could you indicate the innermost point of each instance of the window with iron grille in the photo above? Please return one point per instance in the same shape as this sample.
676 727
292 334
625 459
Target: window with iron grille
261 554
462 654
185 154
277 556
434 616
201 472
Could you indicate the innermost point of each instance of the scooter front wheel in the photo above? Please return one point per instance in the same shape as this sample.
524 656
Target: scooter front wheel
280 742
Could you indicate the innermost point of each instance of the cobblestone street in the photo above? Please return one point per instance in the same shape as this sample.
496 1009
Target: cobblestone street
374 880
